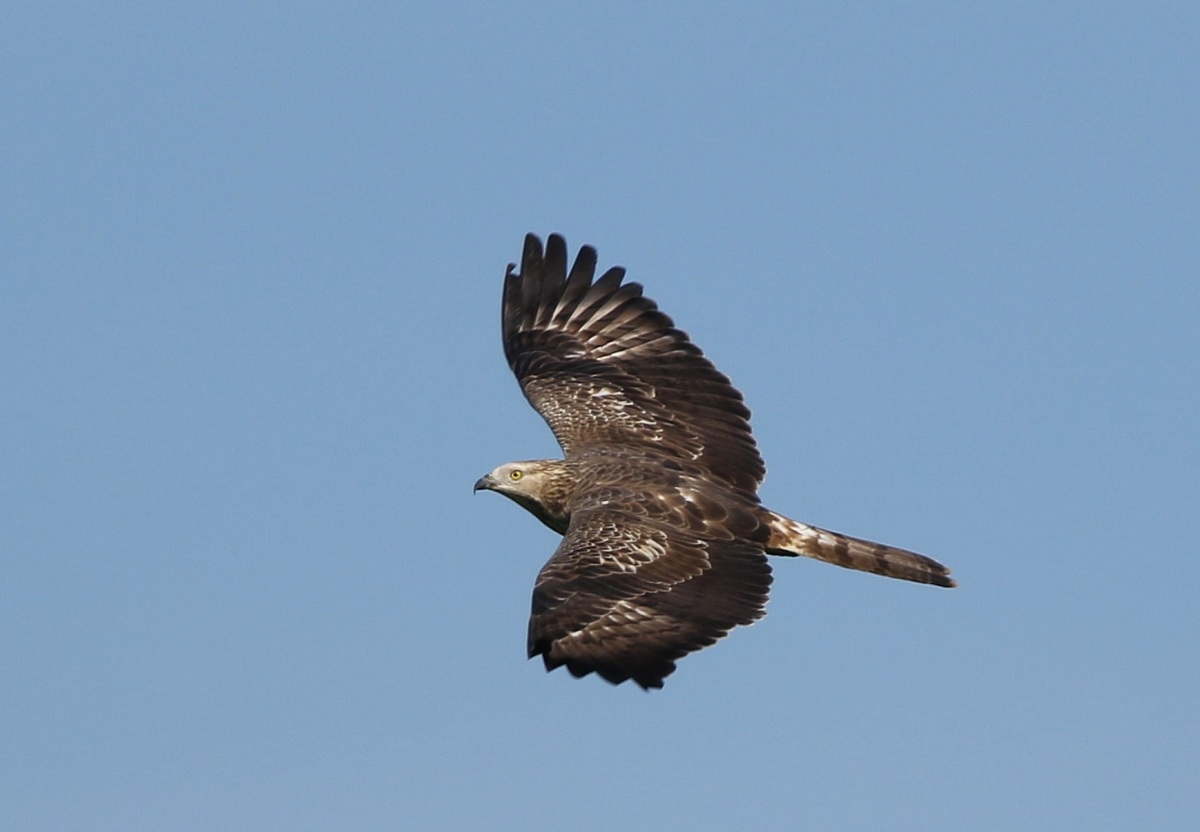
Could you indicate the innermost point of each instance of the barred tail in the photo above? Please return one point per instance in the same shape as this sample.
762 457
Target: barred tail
789 537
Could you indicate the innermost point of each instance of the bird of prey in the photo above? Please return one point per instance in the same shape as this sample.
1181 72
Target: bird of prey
664 538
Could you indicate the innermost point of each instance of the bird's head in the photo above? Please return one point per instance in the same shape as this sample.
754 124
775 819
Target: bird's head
539 485
514 478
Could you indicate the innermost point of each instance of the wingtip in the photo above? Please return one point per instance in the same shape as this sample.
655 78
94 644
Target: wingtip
532 252
646 680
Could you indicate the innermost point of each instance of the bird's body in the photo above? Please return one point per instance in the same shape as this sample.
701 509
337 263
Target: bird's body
664 538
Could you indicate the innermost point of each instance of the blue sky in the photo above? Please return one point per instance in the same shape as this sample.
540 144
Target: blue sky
250 262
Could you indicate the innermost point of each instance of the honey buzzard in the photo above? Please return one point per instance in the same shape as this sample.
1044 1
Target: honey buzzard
664 538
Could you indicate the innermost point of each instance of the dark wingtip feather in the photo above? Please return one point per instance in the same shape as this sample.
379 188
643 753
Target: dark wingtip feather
584 266
532 252
555 260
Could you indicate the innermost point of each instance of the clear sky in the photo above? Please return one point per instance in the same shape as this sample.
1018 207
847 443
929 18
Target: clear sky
250 270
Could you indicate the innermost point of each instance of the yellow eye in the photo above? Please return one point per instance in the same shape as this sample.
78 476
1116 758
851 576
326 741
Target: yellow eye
515 474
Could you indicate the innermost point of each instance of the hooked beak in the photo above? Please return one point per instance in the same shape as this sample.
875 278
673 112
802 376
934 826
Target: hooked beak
484 483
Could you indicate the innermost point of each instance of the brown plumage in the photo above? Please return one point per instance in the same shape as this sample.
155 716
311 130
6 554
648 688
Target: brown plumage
664 539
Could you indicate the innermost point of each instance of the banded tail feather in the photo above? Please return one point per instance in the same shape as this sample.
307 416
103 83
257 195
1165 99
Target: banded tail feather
792 538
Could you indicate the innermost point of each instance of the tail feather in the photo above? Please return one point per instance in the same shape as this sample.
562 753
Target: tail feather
792 538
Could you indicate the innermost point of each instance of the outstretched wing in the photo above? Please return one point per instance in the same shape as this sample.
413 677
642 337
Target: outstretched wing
625 597
603 366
